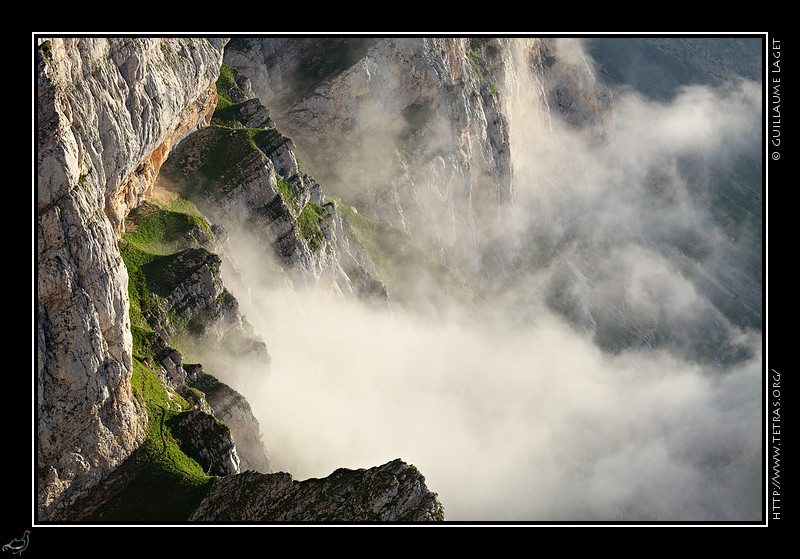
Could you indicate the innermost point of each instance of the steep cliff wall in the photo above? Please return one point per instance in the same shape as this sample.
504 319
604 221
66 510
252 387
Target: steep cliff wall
478 149
395 115
118 411
178 302
109 111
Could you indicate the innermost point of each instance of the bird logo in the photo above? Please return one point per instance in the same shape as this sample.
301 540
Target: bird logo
18 545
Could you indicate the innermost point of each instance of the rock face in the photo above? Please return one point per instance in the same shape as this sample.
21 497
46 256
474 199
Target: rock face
186 293
181 297
392 492
416 132
208 441
108 113
348 159
119 119
232 408
111 112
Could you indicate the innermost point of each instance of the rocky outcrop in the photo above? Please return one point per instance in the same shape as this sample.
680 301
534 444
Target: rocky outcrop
419 132
181 296
249 179
395 491
230 407
186 295
208 441
108 113
571 88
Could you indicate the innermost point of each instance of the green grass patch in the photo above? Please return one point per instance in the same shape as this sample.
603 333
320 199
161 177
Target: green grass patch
162 482
225 84
159 231
157 260
227 117
141 301
226 113
308 222
287 193
149 250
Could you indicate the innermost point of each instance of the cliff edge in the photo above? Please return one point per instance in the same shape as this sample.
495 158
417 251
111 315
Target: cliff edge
126 430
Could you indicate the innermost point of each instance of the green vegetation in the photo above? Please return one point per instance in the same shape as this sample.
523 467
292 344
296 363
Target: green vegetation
161 447
150 247
226 148
141 302
227 112
308 222
47 50
159 230
211 163
476 63
225 84
286 190
478 68
161 483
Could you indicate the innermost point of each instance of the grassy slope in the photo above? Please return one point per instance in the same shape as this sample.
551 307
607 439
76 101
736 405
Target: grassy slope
161 482
225 145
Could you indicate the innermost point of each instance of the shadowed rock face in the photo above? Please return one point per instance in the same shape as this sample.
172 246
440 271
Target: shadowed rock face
112 111
233 409
208 441
394 491
249 179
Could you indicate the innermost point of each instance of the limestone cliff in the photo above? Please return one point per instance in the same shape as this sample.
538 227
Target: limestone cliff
122 120
373 168
119 413
108 113
179 302
407 172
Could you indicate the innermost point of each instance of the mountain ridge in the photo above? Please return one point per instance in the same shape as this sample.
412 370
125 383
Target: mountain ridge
170 297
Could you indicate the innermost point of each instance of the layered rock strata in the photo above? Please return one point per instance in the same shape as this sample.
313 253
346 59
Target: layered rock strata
230 407
245 174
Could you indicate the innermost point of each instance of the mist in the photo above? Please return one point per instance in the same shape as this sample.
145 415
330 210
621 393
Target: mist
600 382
